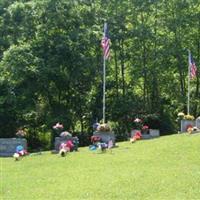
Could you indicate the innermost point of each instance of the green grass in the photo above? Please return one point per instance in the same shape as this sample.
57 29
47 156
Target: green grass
163 168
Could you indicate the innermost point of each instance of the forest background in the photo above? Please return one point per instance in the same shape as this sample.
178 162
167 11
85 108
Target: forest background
51 65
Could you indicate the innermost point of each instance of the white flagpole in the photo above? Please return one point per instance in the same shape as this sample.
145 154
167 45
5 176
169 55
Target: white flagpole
104 88
104 78
188 100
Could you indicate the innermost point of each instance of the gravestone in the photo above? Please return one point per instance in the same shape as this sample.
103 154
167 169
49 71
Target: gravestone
154 132
8 145
198 122
105 136
185 123
146 136
59 140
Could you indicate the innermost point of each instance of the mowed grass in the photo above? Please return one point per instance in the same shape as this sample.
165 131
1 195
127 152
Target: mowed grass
163 168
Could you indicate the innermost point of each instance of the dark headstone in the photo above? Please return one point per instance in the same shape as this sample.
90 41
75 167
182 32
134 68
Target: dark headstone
8 145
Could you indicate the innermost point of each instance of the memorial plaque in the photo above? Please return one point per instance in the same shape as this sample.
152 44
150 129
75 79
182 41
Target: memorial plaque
8 145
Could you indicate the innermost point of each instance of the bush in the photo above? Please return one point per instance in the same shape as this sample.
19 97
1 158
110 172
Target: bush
152 120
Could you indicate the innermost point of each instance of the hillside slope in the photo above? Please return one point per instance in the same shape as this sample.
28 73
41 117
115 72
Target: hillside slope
163 168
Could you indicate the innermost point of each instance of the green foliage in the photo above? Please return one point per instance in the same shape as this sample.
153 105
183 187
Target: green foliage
152 120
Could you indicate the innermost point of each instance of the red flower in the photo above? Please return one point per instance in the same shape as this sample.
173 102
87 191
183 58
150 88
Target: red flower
137 135
189 126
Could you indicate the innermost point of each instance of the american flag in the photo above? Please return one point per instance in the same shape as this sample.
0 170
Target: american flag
105 42
192 66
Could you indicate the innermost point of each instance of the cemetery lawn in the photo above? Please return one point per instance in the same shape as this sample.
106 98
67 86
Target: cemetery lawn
164 168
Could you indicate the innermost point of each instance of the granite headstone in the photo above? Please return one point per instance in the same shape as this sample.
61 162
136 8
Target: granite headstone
198 122
154 132
105 136
8 145
185 123
59 140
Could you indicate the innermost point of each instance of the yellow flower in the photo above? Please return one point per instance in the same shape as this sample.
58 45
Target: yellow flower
189 117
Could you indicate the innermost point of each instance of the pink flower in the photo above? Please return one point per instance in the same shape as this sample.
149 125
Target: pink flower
145 127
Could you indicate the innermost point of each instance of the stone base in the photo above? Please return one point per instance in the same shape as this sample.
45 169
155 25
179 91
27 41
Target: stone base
146 136
8 145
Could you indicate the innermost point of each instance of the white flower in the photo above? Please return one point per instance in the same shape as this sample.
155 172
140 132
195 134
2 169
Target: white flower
58 126
181 114
16 156
63 152
137 120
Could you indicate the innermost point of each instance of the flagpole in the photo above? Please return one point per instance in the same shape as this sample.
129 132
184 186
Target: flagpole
105 44
188 100
104 87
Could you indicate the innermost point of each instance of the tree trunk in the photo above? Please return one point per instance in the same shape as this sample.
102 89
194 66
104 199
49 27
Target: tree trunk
116 73
122 67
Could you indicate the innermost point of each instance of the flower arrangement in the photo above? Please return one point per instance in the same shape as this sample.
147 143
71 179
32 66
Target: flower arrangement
181 115
65 134
145 129
104 128
189 117
137 120
58 126
63 149
95 126
138 123
21 133
137 136
95 139
20 151
189 130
